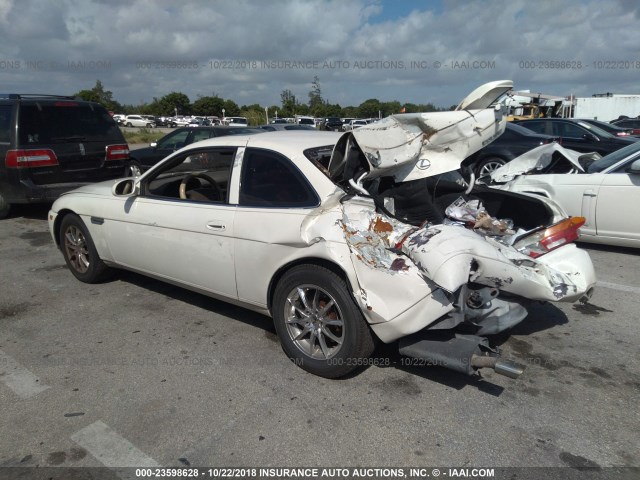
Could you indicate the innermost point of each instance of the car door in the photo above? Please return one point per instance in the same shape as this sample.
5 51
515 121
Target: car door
617 213
274 199
184 240
575 193
575 137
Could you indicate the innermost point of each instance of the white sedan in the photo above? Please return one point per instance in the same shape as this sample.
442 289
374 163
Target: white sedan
315 230
607 194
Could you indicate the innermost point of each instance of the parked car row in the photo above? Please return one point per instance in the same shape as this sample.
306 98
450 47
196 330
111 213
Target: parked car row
149 121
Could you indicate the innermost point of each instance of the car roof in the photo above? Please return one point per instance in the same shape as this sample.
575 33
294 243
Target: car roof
522 130
288 142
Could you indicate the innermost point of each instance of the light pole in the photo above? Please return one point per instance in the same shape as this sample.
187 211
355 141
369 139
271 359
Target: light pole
223 117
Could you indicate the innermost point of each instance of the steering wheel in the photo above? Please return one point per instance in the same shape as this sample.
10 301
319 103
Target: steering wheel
191 179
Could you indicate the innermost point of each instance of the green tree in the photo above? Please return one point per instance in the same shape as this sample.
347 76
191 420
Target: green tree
389 108
289 102
231 108
316 103
369 108
100 95
333 110
255 114
173 101
350 112
207 106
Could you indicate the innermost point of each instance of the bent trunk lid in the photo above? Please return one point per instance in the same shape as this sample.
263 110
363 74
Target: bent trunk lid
418 145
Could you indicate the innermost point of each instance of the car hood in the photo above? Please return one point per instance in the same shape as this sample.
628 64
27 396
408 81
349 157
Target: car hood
101 188
419 145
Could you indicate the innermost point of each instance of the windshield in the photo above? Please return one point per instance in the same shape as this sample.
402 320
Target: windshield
606 126
613 158
597 130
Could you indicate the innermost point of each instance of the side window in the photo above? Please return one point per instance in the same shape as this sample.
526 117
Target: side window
537 127
5 122
270 180
174 141
200 175
567 130
201 134
623 168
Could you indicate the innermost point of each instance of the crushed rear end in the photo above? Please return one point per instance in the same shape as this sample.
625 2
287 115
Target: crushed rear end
441 263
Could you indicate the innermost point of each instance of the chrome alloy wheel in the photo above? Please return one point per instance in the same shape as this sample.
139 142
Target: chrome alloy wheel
77 250
314 322
489 167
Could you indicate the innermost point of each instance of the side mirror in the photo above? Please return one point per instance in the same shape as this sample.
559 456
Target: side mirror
153 144
590 136
634 168
126 187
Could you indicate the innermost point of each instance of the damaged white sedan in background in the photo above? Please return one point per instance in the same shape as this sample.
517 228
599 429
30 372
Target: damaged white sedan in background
342 239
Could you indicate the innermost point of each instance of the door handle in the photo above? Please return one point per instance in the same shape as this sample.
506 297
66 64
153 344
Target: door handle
217 226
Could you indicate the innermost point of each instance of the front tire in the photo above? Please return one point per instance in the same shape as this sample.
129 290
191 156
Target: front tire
319 324
79 251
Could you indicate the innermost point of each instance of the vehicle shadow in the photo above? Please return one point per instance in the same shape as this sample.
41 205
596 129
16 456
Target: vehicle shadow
542 316
197 299
36 211
388 357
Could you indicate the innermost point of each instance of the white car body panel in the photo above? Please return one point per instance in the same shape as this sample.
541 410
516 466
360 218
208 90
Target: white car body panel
606 199
535 159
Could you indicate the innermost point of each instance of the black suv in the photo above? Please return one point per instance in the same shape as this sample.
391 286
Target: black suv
53 144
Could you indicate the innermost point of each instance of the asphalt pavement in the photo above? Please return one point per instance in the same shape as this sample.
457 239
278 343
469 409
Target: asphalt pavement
134 371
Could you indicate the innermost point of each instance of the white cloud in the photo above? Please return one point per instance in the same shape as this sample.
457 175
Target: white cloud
126 34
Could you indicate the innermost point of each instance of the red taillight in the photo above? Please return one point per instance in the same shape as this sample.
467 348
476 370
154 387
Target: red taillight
117 152
30 158
66 104
561 233
543 241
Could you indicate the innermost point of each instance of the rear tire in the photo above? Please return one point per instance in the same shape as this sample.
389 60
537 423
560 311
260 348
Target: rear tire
319 324
5 207
79 251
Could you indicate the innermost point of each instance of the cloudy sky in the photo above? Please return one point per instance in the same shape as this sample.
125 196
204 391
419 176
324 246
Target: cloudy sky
251 50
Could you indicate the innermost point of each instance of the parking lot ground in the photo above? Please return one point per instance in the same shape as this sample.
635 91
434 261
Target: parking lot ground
134 371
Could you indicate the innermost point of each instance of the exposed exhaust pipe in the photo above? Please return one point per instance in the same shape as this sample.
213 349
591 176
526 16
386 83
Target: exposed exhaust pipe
501 366
462 353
